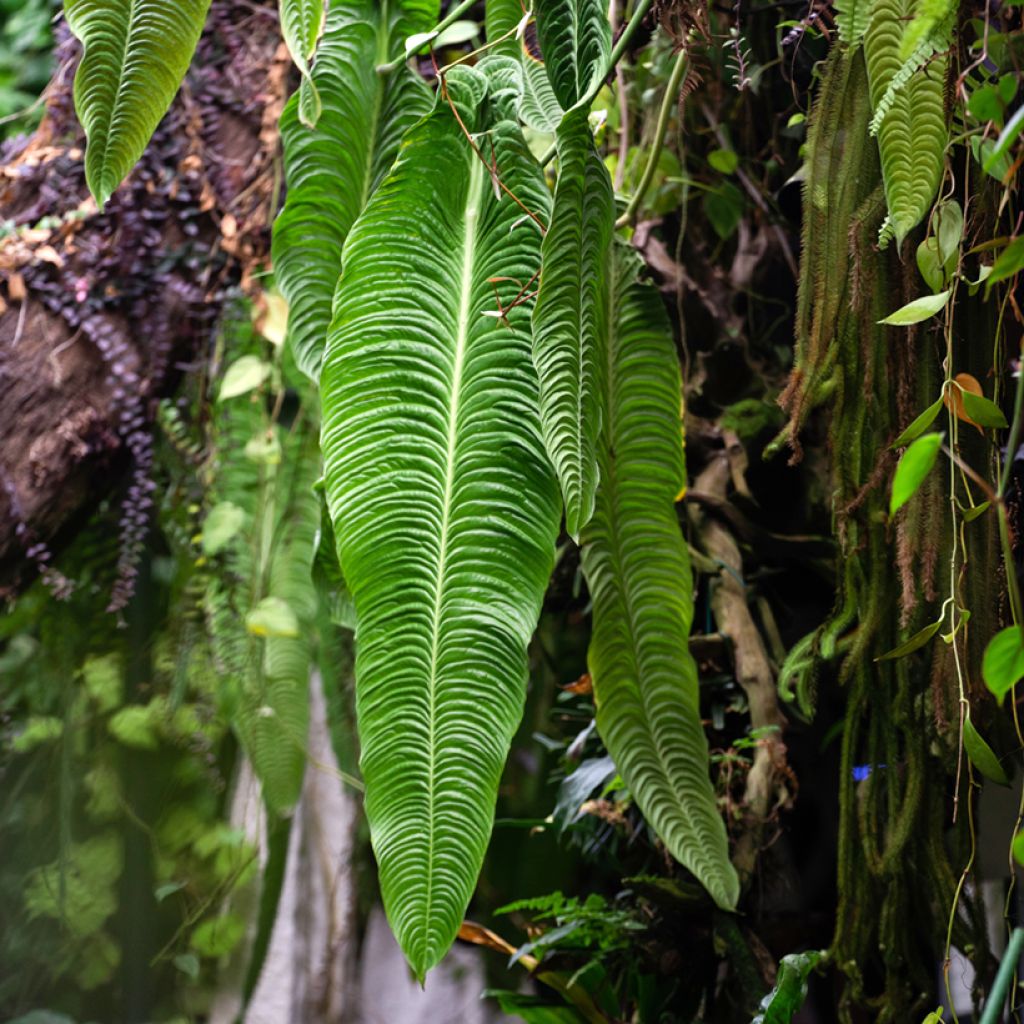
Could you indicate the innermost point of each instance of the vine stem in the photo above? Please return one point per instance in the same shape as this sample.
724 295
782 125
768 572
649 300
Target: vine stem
664 115
616 55
994 1005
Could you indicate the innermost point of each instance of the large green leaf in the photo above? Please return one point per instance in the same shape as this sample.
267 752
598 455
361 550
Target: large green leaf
136 54
638 571
570 320
302 21
913 129
444 504
332 171
575 42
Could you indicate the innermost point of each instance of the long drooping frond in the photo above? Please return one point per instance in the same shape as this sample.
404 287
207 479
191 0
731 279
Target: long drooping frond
570 322
332 170
444 505
638 570
136 54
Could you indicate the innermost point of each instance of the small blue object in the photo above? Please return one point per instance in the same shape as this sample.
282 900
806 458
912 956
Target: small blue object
862 771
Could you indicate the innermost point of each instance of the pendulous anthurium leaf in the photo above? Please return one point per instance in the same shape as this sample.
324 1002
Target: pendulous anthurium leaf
570 320
575 42
136 54
332 170
444 504
638 571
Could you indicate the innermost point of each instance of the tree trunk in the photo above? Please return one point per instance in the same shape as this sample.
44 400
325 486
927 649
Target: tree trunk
101 312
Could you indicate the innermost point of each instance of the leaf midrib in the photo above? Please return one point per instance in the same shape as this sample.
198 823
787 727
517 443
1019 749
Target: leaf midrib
105 151
474 196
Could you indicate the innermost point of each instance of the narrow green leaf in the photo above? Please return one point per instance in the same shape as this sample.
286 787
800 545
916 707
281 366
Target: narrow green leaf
918 310
638 571
302 22
790 992
575 42
935 1017
444 505
982 756
919 639
949 231
1009 263
332 171
983 411
570 320
1006 139
915 464
136 54
919 425
970 514
1002 666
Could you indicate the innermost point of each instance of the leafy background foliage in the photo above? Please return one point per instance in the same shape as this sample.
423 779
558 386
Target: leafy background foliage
475 321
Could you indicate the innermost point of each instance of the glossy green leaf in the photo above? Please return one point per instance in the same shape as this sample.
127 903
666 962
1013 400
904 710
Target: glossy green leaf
790 992
928 262
725 161
970 514
1009 263
919 425
914 465
136 54
444 505
1006 139
983 411
920 309
332 171
501 21
575 41
302 21
638 571
982 756
570 320
935 1017
919 639
1002 666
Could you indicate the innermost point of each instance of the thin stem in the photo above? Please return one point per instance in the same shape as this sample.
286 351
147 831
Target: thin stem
616 55
994 1005
654 156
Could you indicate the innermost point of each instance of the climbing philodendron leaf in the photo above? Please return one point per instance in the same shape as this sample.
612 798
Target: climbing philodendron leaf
1003 664
915 464
638 571
913 129
444 504
982 756
790 992
570 320
575 43
919 309
136 54
302 21
332 171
